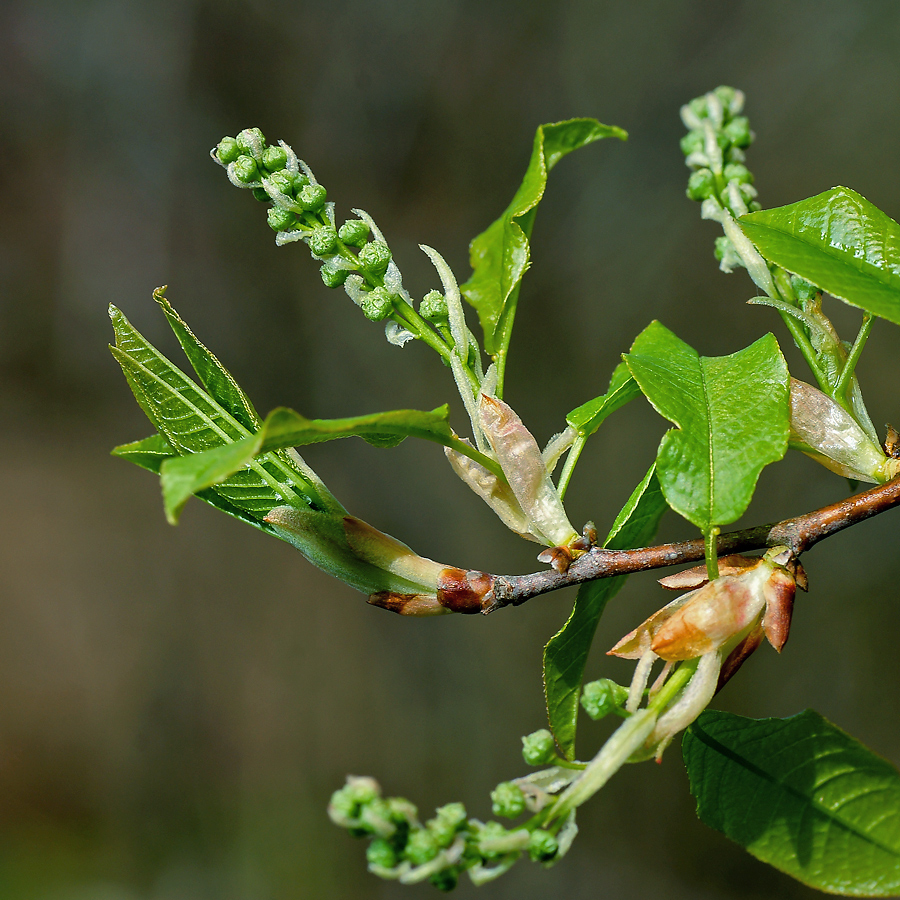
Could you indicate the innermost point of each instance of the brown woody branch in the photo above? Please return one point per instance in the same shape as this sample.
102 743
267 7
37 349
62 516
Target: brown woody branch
799 534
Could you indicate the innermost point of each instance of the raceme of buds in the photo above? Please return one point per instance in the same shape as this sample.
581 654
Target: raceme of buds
377 564
825 431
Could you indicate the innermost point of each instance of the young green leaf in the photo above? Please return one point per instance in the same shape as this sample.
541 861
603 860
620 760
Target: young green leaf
566 652
588 417
500 255
732 414
839 242
149 454
801 795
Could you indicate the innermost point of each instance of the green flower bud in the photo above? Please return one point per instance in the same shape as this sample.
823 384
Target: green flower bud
542 845
260 194
252 142
599 698
283 182
737 172
421 847
492 832
312 197
362 790
698 106
727 255
274 158
738 131
402 811
446 879
693 140
380 854
802 288
376 304
333 277
508 800
323 240
727 95
344 804
433 307
227 150
447 822
374 257
245 169
538 748
754 206
354 232
701 185
376 817
280 219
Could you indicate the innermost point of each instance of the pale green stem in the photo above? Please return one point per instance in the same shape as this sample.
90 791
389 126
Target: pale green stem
712 555
842 388
569 465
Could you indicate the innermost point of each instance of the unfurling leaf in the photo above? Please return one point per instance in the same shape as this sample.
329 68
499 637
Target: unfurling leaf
732 415
801 795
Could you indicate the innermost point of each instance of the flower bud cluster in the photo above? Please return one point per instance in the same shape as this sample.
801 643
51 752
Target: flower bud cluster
439 851
600 698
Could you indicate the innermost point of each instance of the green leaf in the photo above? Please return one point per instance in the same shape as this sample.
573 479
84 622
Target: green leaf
150 453
566 652
191 421
500 255
801 795
588 417
839 242
217 380
732 416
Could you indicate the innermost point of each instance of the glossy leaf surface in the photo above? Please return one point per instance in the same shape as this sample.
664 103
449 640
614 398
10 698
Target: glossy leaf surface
566 652
839 242
801 795
732 414
500 255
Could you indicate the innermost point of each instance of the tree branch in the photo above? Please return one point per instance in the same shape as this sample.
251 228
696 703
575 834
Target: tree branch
799 534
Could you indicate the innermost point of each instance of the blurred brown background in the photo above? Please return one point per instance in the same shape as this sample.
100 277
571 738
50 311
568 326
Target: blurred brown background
176 705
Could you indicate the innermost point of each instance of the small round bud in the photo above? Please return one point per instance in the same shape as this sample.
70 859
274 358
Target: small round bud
376 304
260 194
445 880
362 790
508 800
754 206
375 816
599 698
252 142
447 822
381 854
227 150
245 169
280 219
433 307
282 181
698 106
374 257
323 240
344 804
701 184
491 831
333 277
538 748
421 847
274 158
693 140
354 232
312 197
737 172
738 131
542 845
727 95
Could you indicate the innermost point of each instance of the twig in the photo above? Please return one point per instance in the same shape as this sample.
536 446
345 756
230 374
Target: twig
799 534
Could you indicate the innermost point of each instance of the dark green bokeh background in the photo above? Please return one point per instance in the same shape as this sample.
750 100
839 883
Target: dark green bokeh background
177 704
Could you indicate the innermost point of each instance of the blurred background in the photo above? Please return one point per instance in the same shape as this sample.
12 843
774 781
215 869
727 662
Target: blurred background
177 704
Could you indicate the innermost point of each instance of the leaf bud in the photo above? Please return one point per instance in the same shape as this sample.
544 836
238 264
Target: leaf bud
376 304
280 219
245 169
538 748
433 307
737 172
599 698
274 158
374 257
323 240
738 131
282 182
252 142
542 845
380 854
421 847
332 276
508 800
693 140
354 232
227 150
701 185
312 197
